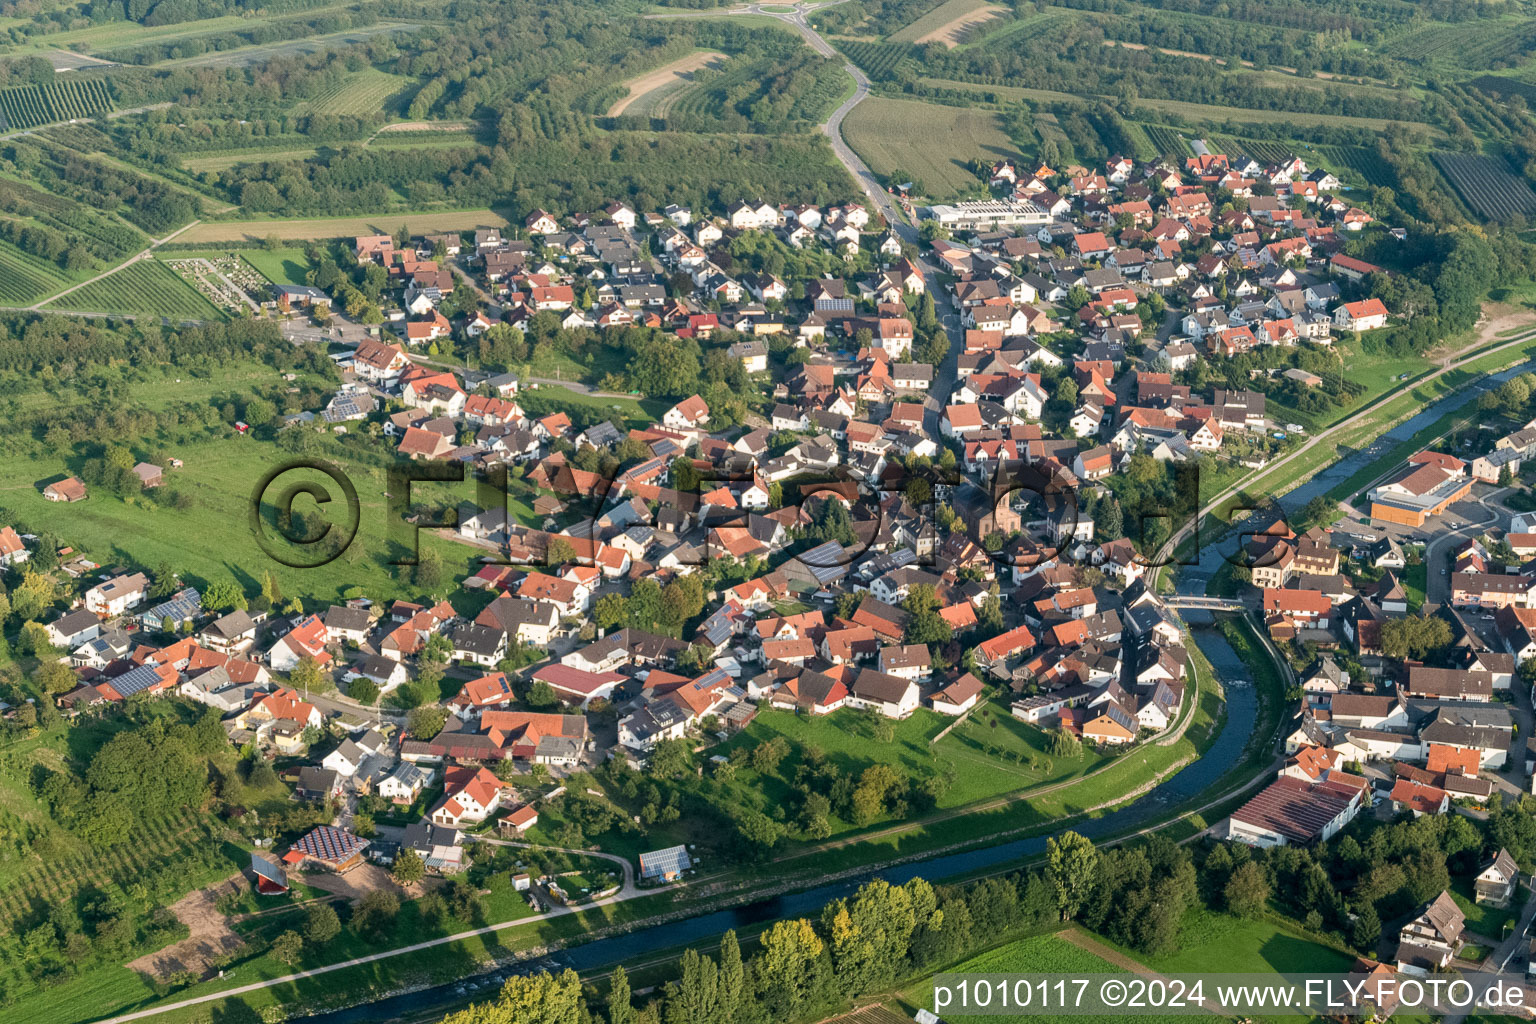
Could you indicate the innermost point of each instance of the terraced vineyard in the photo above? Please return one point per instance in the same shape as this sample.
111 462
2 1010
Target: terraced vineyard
360 93
1487 185
880 61
145 287
1358 162
27 106
24 280
1167 141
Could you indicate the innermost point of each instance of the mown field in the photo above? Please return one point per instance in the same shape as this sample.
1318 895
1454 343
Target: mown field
927 140
280 266
224 161
318 228
987 756
212 539
144 287
1039 954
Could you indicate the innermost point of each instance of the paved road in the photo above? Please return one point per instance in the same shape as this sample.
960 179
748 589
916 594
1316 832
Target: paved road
946 374
1437 588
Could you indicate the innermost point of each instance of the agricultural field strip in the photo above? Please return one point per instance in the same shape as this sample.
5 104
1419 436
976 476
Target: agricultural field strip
1196 112
318 228
946 22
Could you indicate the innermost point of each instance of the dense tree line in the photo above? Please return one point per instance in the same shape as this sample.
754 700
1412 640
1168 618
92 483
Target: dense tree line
1444 276
149 203
259 34
36 344
1142 895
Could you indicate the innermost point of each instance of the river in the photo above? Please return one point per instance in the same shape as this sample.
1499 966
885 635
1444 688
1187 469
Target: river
1190 781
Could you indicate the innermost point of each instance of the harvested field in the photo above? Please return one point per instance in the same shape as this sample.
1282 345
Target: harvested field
210 938
428 126
680 70
947 23
338 227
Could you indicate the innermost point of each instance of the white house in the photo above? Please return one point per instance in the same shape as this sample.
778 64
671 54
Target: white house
117 595
689 414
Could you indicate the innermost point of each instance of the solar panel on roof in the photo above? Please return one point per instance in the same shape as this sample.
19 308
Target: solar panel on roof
329 843
659 863
269 870
134 680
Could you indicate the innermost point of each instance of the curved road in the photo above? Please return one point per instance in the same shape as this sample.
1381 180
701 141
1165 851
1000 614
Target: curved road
947 374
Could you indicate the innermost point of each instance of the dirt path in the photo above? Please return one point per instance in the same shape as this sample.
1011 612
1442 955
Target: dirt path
1089 944
681 69
210 938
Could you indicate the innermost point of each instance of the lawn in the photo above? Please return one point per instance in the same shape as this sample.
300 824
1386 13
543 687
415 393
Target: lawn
211 539
280 266
1415 578
144 287
929 141
991 752
1089 796
1220 943
634 411
1486 921
981 753
1036 955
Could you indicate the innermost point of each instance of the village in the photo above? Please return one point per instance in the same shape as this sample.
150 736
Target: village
930 486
